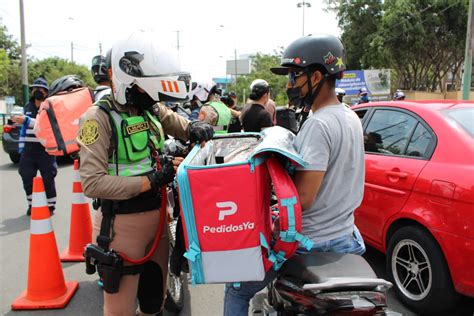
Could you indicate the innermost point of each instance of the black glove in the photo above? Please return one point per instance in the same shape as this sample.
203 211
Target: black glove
162 177
200 132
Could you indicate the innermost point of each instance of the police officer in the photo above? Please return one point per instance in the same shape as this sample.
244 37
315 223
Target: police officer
213 111
99 73
119 138
33 154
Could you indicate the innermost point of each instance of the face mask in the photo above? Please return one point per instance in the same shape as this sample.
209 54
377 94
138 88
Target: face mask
294 96
364 98
38 95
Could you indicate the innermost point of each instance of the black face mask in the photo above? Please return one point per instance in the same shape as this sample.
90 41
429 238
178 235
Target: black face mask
294 96
139 99
38 95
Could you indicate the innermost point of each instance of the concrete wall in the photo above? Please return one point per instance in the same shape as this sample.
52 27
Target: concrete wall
422 95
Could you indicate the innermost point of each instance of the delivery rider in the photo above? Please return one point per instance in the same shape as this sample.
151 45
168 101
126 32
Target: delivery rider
120 137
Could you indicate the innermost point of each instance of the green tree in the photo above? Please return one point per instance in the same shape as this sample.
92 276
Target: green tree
420 40
261 64
54 67
425 40
49 68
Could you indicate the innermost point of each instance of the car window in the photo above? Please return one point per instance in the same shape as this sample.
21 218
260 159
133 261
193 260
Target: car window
464 117
361 113
388 132
419 142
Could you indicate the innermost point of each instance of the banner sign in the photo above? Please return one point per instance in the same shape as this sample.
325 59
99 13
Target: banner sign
376 81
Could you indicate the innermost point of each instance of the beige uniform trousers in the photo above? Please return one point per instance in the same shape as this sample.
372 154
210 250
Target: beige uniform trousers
134 236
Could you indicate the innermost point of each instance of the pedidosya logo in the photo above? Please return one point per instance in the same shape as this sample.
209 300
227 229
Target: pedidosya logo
226 209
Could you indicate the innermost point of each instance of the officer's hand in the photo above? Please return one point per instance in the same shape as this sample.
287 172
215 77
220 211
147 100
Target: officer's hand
162 177
200 132
19 119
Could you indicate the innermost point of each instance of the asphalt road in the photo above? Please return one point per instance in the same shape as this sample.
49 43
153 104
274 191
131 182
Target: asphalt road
201 300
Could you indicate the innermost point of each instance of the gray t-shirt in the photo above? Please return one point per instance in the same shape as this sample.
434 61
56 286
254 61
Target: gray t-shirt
331 140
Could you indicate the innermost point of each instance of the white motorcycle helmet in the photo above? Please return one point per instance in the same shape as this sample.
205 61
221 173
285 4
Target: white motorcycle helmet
143 60
201 90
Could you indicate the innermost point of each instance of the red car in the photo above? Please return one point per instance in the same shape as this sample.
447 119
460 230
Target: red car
418 204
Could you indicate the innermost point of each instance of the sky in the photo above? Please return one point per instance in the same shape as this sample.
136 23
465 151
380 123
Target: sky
209 31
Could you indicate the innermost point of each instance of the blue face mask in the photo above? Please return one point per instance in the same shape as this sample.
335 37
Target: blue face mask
364 98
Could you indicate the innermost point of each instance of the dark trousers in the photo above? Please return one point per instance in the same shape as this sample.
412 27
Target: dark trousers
30 163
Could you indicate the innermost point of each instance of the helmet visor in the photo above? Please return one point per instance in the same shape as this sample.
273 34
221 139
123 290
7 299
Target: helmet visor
166 87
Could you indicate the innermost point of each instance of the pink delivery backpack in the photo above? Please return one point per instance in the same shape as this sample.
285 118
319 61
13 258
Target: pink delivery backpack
225 191
57 122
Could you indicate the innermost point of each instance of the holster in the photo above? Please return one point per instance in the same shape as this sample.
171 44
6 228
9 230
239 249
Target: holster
107 262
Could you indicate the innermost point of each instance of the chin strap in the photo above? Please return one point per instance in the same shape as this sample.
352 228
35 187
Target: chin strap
308 100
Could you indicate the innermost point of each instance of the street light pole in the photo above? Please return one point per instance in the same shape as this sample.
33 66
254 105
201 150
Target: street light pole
24 64
467 75
303 4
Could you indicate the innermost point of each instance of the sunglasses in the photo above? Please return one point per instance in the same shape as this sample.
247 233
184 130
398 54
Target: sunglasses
292 76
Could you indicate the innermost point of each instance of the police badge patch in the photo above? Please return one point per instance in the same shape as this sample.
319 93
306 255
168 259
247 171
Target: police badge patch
89 132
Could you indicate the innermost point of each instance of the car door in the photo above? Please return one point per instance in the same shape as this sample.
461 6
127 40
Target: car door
392 165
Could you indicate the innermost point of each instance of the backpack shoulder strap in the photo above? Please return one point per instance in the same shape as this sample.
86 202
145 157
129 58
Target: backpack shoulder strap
290 215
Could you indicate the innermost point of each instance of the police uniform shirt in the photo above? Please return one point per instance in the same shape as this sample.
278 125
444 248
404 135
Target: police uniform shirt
96 146
31 143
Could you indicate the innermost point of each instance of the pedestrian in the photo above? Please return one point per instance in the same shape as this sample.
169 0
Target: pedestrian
229 99
398 95
120 138
331 142
254 116
33 155
363 96
99 73
340 93
270 107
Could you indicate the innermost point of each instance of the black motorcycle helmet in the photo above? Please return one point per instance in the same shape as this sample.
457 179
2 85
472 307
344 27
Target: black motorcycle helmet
99 69
321 52
65 83
310 51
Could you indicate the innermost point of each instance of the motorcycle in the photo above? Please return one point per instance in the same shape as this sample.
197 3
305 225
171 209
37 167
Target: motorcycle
177 278
325 283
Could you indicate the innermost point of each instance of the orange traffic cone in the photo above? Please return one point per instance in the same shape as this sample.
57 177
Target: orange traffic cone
46 285
81 225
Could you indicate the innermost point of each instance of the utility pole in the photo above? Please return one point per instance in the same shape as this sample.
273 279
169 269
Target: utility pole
72 52
177 39
467 75
235 65
100 49
303 4
24 64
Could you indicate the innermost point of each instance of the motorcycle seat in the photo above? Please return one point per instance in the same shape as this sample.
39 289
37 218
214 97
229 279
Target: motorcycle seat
326 270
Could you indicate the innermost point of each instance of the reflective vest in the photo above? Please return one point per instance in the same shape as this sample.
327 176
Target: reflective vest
135 137
223 116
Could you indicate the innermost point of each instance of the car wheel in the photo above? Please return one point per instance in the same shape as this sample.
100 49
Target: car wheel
15 158
418 269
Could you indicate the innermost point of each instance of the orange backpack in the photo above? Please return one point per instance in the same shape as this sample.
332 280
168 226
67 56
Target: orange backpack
57 122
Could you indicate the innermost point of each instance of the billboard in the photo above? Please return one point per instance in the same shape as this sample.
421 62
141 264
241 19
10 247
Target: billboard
238 67
376 81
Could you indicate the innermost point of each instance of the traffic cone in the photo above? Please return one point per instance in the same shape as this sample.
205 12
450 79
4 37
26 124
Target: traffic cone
46 285
81 225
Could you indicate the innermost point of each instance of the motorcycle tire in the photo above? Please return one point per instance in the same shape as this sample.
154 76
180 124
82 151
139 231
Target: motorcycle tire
174 302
